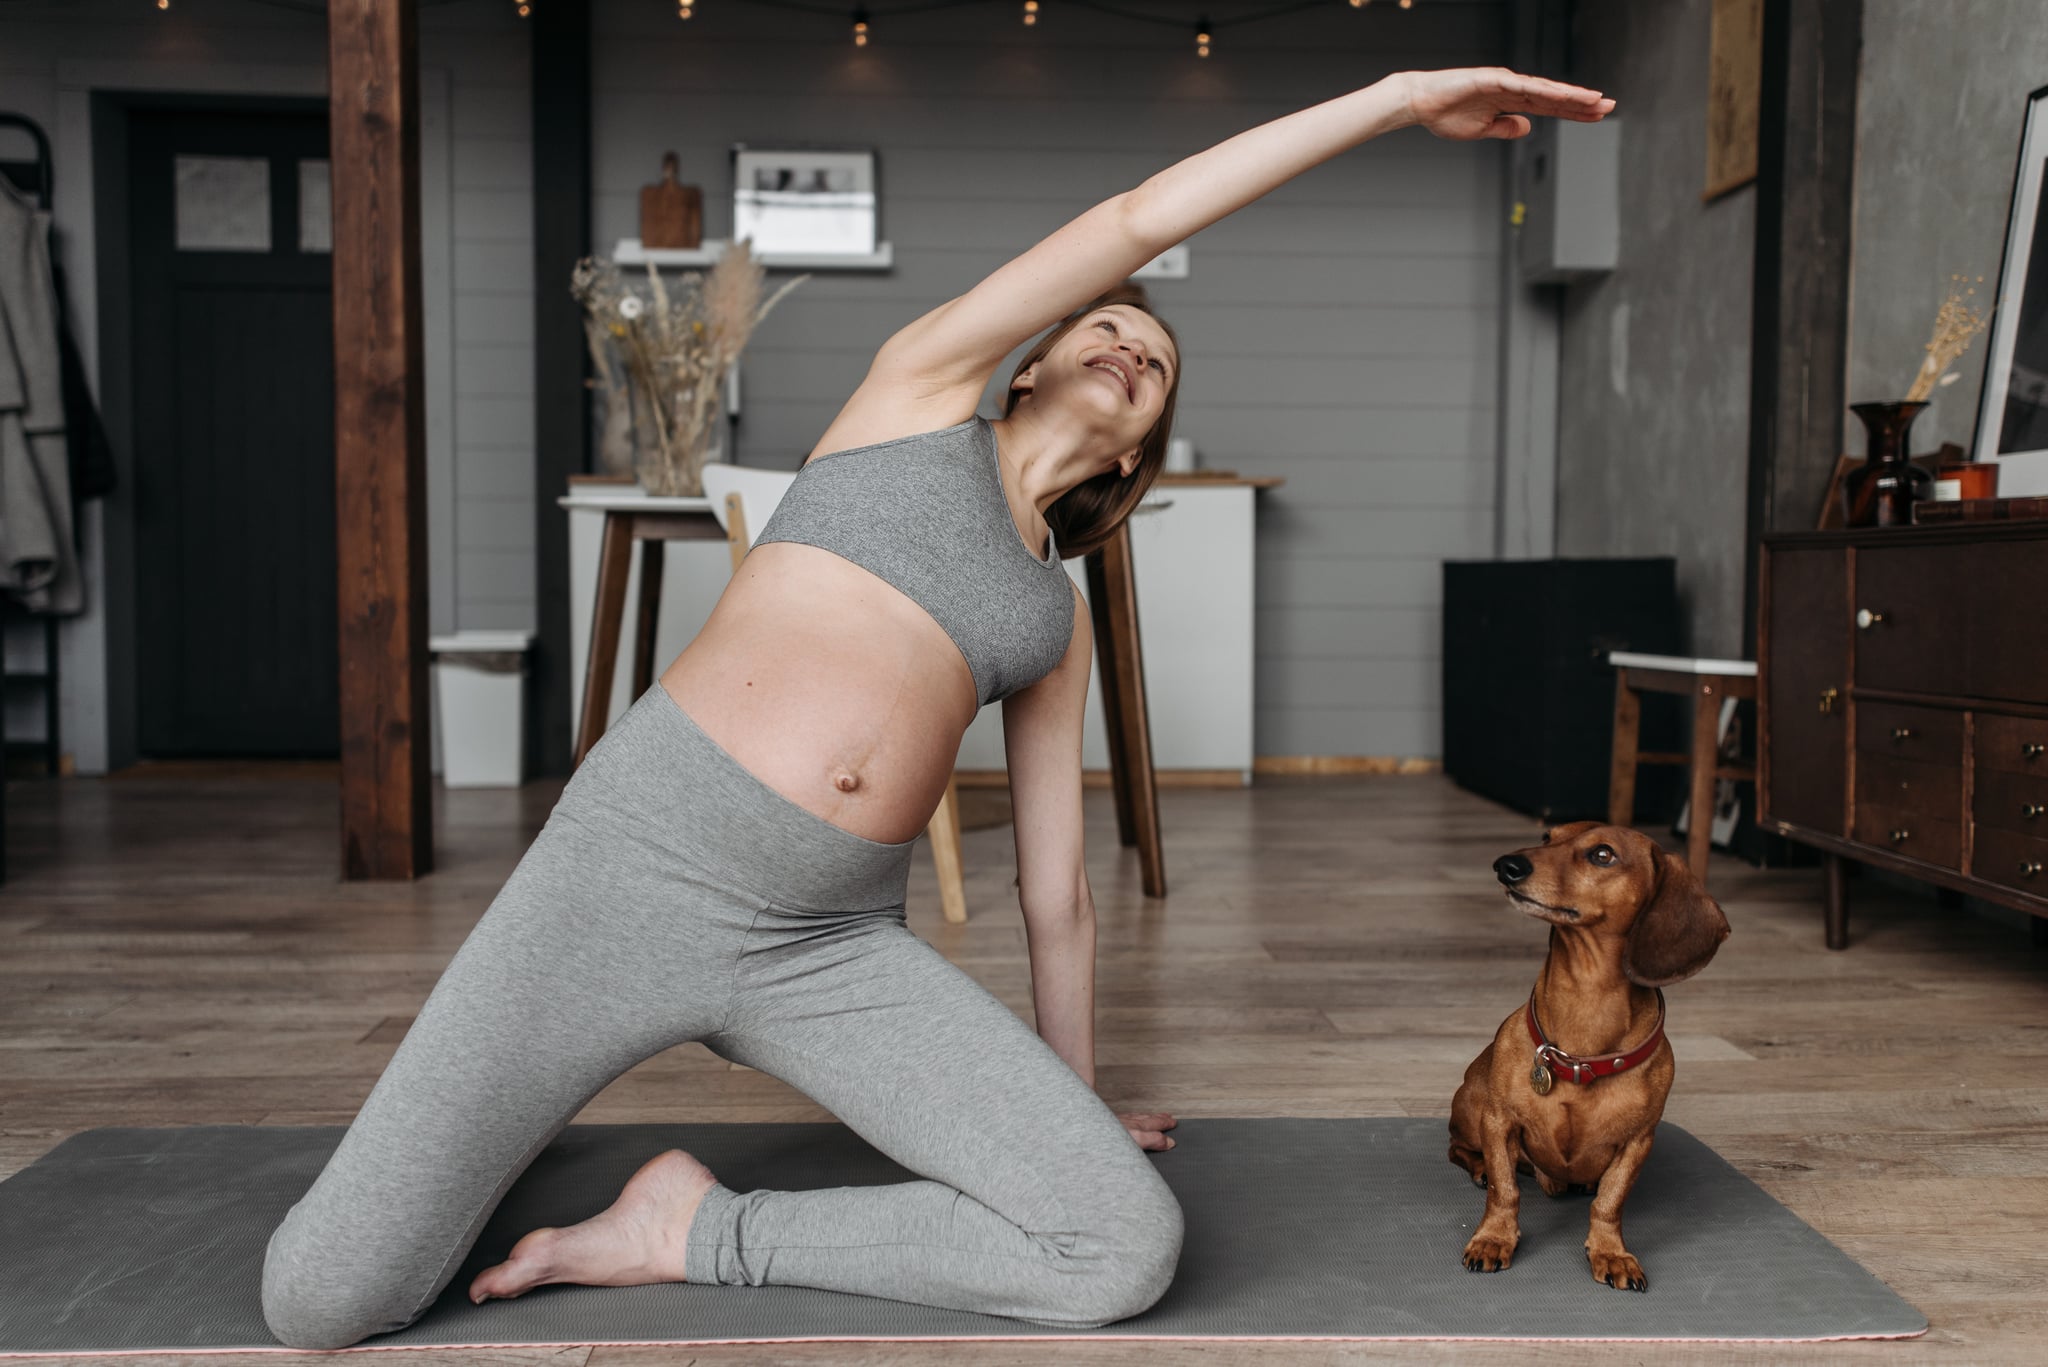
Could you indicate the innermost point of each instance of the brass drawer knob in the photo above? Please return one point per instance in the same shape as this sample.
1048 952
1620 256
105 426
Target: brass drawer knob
2032 749
2030 810
1828 698
1901 836
1866 619
2029 868
1903 733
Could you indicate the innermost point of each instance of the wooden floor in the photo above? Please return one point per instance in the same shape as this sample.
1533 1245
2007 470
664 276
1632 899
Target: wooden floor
176 950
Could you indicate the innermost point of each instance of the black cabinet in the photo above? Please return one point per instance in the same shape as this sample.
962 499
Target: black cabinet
1528 695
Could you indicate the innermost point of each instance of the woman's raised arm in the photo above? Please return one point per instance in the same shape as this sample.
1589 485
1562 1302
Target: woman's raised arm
959 343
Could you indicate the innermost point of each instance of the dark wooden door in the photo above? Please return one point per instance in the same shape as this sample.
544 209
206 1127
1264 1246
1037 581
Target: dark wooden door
234 453
1806 688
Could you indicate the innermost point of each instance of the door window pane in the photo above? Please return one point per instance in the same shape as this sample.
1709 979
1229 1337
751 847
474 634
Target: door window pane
316 207
223 204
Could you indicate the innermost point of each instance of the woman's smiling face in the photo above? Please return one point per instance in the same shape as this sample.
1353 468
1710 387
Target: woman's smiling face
1119 362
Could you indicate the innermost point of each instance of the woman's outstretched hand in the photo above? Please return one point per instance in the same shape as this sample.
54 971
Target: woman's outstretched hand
1150 1130
1491 102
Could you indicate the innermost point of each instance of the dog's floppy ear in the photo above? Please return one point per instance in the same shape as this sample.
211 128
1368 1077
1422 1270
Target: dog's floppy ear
1677 932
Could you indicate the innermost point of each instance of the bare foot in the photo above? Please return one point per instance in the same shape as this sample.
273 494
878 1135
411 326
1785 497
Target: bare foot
641 1238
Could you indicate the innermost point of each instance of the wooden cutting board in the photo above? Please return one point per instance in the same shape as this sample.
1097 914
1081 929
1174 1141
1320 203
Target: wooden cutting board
671 215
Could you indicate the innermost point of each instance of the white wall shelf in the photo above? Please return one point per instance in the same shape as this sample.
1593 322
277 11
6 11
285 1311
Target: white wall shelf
629 252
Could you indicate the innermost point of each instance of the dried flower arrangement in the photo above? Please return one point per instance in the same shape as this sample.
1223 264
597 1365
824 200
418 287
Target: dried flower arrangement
662 357
1955 323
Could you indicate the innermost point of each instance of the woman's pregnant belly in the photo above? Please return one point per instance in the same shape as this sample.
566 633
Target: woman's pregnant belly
832 688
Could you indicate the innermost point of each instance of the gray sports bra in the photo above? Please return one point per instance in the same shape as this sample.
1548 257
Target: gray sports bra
926 513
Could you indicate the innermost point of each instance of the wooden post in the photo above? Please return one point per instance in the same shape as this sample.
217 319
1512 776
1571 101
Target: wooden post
379 439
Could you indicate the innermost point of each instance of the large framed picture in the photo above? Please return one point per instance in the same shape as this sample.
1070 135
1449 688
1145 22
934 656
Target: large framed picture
813 201
2012 417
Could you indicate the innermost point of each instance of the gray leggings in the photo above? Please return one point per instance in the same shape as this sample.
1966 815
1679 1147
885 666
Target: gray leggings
672 896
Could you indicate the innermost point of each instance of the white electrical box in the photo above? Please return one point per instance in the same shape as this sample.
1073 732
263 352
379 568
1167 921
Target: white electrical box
1568 179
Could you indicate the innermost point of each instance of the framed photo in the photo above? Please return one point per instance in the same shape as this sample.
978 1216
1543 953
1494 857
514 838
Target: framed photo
817 202
2012 416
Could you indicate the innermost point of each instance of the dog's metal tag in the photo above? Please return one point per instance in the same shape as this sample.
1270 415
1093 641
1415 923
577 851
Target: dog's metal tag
1540 1078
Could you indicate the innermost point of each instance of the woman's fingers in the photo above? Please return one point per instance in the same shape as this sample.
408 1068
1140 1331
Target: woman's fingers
1149 1129
1535 95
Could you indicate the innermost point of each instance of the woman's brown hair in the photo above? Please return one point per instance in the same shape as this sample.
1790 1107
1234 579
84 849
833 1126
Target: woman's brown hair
1088 514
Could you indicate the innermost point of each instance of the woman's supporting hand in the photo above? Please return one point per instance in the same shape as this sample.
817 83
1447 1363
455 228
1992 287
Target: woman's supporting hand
1491 102
1150 1129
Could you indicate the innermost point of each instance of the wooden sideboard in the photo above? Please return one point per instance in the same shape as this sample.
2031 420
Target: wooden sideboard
1903 700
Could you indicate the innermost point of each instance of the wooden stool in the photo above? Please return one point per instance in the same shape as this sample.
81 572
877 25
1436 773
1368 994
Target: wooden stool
1708 682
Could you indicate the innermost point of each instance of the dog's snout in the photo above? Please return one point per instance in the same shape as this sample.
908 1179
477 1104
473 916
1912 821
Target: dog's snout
1512 868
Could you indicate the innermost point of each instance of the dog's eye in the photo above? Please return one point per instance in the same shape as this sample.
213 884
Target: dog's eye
1603 855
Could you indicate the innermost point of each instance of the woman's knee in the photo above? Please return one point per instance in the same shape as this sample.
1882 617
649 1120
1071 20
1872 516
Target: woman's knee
311 1305
1137 1257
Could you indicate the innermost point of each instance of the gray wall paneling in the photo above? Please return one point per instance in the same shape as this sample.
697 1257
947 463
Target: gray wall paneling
1344 332
54 57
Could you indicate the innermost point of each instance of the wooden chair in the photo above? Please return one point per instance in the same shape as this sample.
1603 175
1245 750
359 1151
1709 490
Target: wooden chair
743 499
1708 683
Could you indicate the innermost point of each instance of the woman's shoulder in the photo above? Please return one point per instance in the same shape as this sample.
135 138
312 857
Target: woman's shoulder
879 418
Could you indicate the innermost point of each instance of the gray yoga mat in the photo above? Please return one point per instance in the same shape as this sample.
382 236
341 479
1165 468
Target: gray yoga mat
135 1239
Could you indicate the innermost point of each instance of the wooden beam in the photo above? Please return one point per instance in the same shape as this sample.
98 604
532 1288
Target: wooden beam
1799 291
559 35
379 439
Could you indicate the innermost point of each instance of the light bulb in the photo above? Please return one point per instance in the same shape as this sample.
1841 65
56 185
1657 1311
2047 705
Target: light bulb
1202 36
1030 12
163 4
860 28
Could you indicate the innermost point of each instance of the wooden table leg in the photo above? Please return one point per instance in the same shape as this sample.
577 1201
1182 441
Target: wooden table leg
1621 781
944 830
652 554
614 563
1112 714
1836 870
1706 757
1113 584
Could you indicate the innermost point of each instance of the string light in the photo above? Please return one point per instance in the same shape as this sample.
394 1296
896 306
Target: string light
1202 36
684 10
1360 4
860 28
1407 4
163 4
523 8
1030 12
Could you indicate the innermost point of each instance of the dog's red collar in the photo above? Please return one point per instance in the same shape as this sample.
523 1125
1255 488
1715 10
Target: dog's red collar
1583 1070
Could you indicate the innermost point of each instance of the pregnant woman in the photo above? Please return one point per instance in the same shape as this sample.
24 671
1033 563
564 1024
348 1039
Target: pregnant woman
728 864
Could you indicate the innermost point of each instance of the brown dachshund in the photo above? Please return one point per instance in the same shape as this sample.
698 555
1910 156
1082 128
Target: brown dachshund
1574 1082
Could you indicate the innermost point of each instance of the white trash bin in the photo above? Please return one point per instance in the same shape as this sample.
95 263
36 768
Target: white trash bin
480 706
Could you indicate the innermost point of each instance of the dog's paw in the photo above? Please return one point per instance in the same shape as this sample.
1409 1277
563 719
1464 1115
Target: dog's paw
1618 1270
1490 1253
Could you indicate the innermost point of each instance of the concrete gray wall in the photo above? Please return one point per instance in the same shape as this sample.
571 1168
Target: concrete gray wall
476 223
1341 333
1941 98
1654 363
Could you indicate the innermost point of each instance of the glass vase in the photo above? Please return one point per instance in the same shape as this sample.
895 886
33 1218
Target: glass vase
1881 491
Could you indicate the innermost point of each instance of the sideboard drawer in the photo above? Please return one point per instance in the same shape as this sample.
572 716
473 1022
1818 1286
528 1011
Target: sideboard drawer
1930 735
2011 802
2015 860
1909 636
2012 745
1909 786
1912 834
